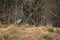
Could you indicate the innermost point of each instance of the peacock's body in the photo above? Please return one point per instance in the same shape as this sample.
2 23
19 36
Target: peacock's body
20 20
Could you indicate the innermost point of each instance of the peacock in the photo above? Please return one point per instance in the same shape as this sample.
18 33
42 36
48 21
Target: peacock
20 20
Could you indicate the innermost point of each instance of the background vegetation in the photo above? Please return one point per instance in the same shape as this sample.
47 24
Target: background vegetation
37 12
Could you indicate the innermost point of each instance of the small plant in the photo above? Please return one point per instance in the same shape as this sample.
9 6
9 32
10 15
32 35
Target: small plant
3 26
11 34
50 29
47 37
32 38
6 36
58 31
15 37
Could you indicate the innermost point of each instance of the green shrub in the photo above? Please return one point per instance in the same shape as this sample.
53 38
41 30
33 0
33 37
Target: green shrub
50 29
58 31
47 37
6 36
11 34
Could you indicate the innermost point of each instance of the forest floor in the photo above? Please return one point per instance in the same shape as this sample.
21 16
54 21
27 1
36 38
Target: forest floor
14 32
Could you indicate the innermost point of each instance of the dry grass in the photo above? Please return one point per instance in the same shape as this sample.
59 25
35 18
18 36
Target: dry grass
25 32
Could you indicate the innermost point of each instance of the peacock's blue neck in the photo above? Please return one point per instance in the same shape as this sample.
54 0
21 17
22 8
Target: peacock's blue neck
22 17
